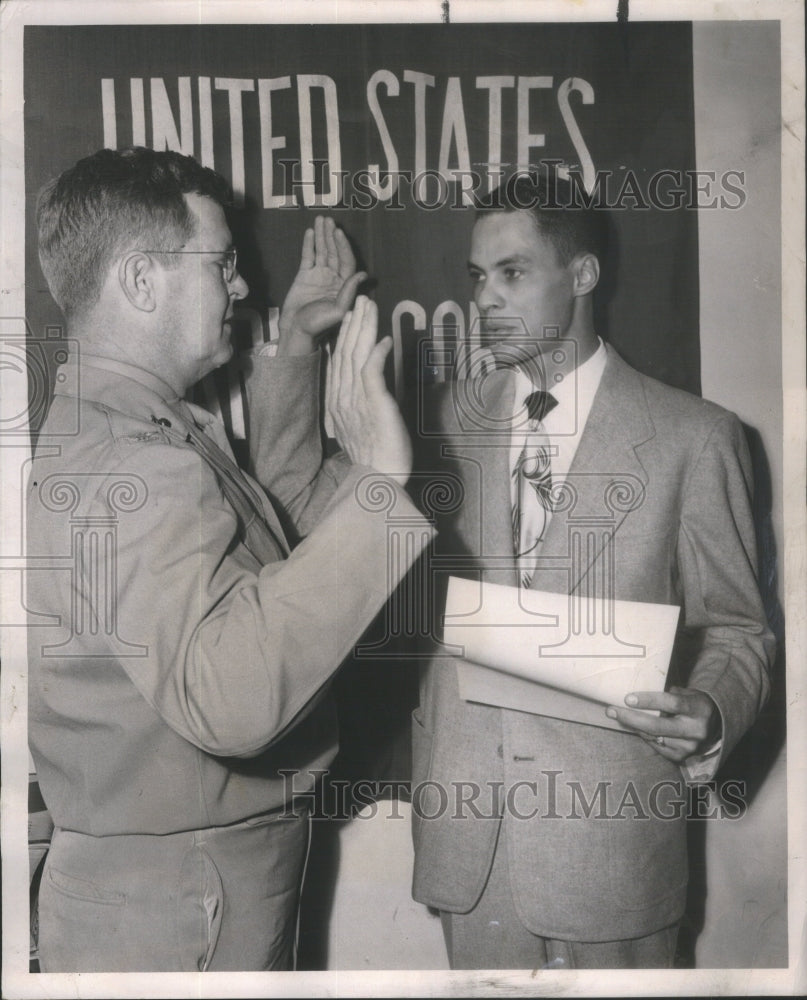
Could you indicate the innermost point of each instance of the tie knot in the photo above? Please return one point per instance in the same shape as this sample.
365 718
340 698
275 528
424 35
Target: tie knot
539 403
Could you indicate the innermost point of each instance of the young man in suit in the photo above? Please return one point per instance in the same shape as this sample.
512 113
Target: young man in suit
541 840
180 664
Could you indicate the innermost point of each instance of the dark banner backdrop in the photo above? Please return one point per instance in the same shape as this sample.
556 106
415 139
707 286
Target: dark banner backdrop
385 126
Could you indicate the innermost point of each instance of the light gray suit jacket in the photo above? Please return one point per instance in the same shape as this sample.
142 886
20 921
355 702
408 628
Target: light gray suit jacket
659 492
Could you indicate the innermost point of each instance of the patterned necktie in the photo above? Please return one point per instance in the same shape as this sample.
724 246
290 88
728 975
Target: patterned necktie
532 490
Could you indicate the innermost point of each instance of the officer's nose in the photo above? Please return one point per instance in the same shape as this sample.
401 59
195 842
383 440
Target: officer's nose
239 289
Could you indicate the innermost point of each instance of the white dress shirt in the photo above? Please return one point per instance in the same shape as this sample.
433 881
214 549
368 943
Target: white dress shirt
564 424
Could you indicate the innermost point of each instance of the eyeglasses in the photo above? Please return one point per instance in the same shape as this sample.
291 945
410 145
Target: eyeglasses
228 262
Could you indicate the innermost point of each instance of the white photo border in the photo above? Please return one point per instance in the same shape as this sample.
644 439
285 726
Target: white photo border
17 981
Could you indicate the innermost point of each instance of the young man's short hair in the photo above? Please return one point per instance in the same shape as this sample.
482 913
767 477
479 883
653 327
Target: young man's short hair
558 209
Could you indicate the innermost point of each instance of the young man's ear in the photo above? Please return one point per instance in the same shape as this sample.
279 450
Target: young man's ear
136 276
586 270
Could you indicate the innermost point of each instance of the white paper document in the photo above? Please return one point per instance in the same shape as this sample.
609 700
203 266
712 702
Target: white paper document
555 654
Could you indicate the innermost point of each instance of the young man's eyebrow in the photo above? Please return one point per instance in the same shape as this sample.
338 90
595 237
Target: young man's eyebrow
504 262
515 258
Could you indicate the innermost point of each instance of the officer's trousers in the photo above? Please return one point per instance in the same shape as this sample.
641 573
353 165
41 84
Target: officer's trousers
224 898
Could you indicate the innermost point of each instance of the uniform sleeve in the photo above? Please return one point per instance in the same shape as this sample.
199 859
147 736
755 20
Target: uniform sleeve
723 610
285 437
235 651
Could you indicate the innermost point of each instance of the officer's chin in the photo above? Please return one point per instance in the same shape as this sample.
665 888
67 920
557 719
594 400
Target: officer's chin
222 356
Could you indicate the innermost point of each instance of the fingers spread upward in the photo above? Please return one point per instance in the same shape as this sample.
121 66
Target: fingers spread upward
307 255
361 410
345 255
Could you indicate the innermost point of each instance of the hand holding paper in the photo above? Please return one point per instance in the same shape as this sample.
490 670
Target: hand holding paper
690 722
555 654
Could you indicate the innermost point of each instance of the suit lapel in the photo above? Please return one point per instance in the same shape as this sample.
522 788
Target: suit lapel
606 479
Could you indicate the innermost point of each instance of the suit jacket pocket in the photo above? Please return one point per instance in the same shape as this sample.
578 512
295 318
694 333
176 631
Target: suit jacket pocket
421 749
647 856
421 765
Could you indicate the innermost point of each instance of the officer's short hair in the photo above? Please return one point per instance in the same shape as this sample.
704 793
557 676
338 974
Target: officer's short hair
108 203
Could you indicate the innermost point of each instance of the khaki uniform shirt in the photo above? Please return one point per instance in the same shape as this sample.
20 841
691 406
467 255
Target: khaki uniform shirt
173 677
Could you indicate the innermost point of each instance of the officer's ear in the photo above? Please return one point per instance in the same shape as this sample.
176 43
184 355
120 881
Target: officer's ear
137 277
586 271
